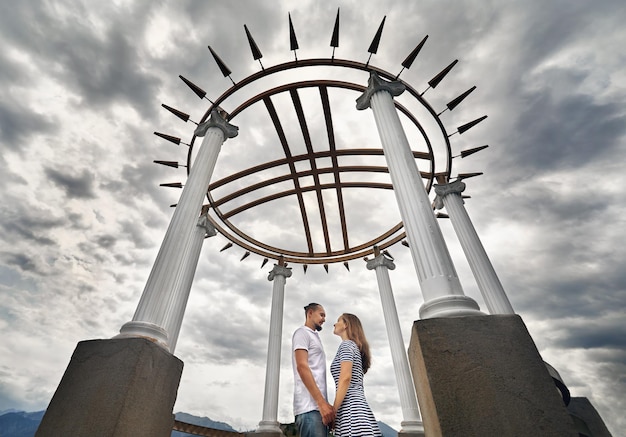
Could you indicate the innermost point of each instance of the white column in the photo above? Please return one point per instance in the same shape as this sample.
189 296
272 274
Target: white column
412 422
180 295
449 195
269 422
159 300
443 294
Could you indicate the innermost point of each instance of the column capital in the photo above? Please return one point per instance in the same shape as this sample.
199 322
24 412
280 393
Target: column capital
279 270
204 222
216 120
380 261
375 84
442 190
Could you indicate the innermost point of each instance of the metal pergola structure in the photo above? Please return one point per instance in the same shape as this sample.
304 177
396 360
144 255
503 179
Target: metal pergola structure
227 200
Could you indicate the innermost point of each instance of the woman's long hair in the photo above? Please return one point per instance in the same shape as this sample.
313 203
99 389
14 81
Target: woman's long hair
354 331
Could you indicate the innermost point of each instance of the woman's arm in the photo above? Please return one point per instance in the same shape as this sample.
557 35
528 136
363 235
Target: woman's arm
345 375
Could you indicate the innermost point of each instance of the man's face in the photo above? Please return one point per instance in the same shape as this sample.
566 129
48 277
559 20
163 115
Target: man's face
318 317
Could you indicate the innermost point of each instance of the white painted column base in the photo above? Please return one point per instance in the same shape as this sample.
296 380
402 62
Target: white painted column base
450 306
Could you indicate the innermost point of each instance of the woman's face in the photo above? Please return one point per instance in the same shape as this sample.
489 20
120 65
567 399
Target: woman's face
339 326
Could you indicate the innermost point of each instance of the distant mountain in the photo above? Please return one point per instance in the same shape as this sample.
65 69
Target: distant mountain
19 423
387 430
15 423
200 421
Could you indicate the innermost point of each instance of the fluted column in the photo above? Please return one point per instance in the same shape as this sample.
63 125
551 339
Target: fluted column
443 294
269 422
204 229
412 422
159 299
449 195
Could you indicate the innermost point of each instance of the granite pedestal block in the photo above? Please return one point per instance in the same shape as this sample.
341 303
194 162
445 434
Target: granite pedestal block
483 376
115 388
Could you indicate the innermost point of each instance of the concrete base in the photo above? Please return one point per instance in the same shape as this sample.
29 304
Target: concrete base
483 376
115 388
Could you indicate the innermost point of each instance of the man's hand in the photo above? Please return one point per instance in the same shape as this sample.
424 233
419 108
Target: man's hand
328 413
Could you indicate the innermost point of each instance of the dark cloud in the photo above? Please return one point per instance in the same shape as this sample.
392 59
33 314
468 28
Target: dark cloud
567 133
80 186
22 261
609 334
106 241
100 68
19 123
31 225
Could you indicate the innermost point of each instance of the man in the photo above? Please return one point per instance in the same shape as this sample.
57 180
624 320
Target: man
310 405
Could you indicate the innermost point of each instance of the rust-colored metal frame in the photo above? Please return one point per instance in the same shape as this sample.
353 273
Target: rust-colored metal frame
238 237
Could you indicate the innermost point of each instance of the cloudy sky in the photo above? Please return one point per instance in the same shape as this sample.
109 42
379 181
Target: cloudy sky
83 216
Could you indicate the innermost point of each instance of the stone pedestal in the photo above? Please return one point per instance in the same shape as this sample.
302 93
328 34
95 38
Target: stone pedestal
115 388
483 376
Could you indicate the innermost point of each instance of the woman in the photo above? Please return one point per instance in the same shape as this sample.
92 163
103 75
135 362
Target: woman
353 414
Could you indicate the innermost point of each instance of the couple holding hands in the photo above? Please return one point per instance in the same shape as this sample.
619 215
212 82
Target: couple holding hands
350 414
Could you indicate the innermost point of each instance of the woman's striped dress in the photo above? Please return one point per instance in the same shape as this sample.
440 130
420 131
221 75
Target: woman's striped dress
354 418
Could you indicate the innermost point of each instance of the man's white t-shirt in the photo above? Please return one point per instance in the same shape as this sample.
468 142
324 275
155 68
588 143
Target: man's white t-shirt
309 340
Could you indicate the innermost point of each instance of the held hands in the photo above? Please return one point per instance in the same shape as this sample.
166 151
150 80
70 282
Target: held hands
328 413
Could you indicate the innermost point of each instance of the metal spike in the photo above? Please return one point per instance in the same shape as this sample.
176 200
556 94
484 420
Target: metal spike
334 39
326 267
183 116
345 264
170 138
305 267
376 41
245 255
293 41
468 152
464 196
256 53
469 175
386 253
228 246
223 68
439 77
173 205
172 184
409 59
442 215
195 88
264 262
374 45
471 124
168 163
455 102
405 243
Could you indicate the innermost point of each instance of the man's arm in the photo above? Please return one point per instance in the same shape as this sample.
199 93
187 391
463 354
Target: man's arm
302 365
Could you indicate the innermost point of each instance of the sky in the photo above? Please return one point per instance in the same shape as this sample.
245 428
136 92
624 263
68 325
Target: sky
83 216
